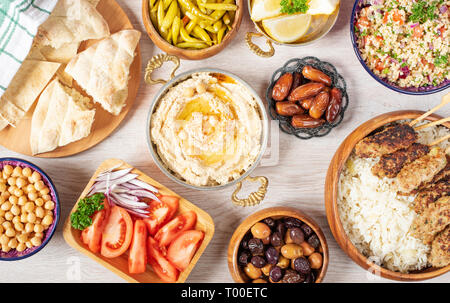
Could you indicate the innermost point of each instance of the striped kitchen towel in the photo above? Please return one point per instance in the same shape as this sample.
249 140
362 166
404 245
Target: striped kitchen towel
19 22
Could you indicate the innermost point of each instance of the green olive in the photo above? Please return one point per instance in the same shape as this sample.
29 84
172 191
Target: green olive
260 230
252 272
292 251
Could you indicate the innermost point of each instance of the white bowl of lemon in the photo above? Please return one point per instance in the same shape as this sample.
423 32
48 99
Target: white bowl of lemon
291 22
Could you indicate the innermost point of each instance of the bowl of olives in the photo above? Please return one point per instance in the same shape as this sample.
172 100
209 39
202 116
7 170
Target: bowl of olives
278 245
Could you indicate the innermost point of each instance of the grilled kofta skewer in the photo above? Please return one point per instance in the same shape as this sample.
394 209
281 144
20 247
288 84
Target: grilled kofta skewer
391 164
421 171
387 141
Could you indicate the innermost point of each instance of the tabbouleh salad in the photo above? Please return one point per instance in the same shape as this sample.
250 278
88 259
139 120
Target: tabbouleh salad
405 42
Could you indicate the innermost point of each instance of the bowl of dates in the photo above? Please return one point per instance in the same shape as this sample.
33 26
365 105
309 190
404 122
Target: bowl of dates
308 97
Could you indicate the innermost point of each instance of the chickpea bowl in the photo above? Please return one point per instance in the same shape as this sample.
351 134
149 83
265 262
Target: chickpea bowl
278 245
29 209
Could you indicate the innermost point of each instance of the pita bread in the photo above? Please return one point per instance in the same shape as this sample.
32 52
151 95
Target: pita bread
62 116
72 21
102 70
93 2
27 84
62 55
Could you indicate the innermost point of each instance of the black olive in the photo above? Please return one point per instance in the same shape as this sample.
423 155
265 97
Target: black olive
258 261
244 256
270 222
291 276
272 255
244 242
314 241
292 222
281 228
311 278
307 230
276 239
302 265
297 235
256 246
276 274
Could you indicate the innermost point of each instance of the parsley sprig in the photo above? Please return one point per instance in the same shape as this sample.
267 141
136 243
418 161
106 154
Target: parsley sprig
81 218
423 11
294 6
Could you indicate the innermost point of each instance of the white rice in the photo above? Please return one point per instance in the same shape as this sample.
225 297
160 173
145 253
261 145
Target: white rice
376 219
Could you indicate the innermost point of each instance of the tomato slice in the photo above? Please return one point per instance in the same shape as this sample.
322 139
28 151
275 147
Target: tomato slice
137 259
162 267
158 213
172 202
176 226
117 234
92 235
183 248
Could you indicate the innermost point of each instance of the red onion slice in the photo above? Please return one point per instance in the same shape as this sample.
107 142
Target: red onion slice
130 204
113 175
143 185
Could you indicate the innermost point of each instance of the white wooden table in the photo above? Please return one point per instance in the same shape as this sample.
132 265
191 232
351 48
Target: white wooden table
297 180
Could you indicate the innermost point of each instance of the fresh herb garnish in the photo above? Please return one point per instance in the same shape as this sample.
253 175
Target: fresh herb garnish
441 61
422 11
294 6
81 218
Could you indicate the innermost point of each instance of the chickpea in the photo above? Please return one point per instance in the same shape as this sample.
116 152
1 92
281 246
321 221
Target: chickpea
36 241
291 251
17 171
16 219
8 170
12 243
9 216
47 220
39 202
18 192
44 191
6 248
11 189
12 181
21 247
13 200
38 228
5 195
201 88
30 188
40 212
22 238
283 262
47 198
29 227
2 213
18 226
6 224
49 205
48 213
26 172
39 185
29 207
315 260
35 177
23 218
260 230
20 182
22 200
2 187
32 196
252 272
28 244
4 239
6 206
10 232
15 210
307 249
2 219
2 199
31 217
1 230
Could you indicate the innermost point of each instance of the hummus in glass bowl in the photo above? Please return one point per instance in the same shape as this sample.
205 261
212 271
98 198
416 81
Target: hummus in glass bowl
208 129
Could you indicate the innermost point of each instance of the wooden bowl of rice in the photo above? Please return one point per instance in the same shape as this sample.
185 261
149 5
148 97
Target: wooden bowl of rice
332 185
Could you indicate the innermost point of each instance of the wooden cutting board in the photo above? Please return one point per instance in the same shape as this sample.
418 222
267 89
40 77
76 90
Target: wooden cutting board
17 139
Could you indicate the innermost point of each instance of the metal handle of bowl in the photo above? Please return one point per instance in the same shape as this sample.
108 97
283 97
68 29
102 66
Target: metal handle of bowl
156 62
256 49
254 198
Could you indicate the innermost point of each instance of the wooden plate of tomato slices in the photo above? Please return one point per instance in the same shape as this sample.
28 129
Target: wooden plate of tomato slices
142 246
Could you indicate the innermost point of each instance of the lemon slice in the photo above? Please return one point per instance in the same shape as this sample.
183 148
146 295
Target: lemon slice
322 7
287 28
263 9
